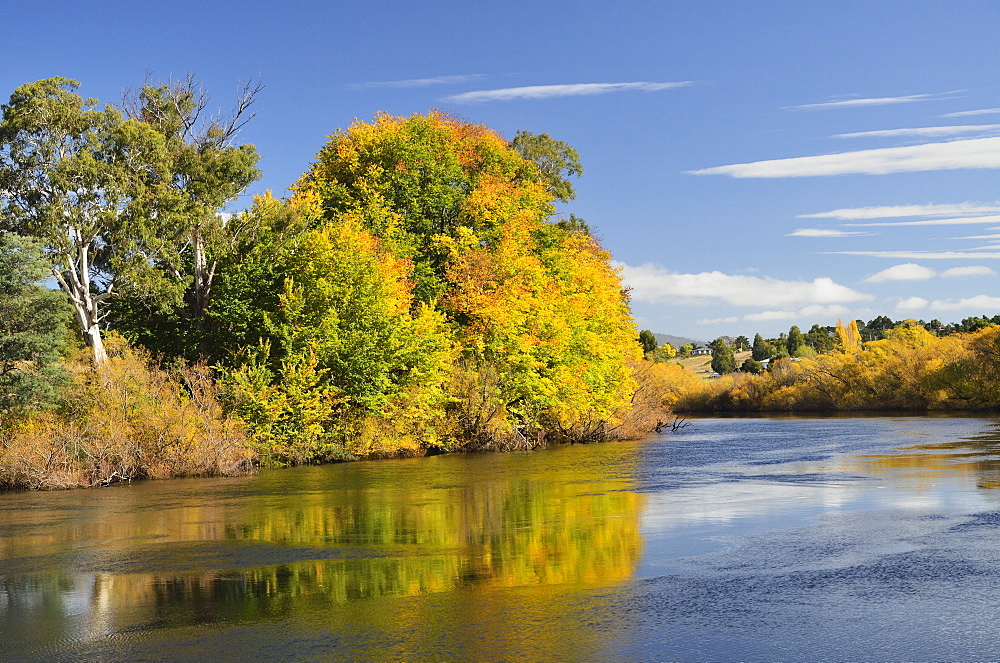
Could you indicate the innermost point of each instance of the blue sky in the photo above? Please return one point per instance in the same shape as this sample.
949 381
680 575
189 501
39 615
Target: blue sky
750 165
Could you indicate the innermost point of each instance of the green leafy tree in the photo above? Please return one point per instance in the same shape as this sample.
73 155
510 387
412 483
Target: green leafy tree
86 182
761 349
821 339
795 342
648 341
555 159
742 344
686 349
878 327
208 170
723 360
33 326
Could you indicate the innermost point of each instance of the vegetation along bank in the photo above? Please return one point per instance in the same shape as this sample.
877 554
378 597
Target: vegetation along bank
416 293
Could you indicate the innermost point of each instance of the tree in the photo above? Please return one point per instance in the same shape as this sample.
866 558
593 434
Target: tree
723 360
555 159
795 341
429 186
207 171
87 183
663 353
751 366
686 349
742 343
647 341
761 349
33 326
821 339
879 326
849 337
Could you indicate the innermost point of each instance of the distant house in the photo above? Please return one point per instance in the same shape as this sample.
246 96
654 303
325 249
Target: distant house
701 351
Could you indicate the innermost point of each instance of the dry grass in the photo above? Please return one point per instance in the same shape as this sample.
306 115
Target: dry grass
126 420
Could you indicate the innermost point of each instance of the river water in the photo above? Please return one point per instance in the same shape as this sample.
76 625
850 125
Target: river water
730 539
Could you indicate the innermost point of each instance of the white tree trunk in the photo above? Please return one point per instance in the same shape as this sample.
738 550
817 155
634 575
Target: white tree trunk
96 343
75 282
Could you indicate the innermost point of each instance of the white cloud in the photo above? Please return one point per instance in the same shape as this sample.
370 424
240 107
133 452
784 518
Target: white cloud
911 304
870 101
979 236
922 131
553 91
970 270
655 284
905 272
896 211
822 232
959 154
981 302
922 255
424 82
959 221
982 111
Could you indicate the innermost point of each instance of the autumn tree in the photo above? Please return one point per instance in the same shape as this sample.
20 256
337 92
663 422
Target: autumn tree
426 185
86 181
541 320
342 345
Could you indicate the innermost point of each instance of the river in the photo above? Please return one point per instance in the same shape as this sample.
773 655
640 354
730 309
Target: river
846 538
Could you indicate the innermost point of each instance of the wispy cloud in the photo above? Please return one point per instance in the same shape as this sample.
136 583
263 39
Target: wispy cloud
424 82
972 153
812 312
981 111
896 211
957 221
871 101
906 272
923 255
928 132
554 91
822 232
970 270
979 236
654 284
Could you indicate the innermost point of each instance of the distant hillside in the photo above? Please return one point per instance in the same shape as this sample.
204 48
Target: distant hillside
675 341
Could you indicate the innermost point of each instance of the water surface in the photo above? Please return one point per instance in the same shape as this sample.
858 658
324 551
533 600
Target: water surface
731 539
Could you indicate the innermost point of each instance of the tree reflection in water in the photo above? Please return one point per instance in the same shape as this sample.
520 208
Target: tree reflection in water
148 561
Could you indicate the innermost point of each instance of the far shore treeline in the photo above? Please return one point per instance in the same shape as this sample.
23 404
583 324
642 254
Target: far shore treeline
416 293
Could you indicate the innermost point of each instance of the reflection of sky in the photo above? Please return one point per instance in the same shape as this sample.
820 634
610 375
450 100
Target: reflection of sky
756 485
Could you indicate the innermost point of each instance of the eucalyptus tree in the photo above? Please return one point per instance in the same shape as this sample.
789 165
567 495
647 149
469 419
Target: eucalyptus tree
89 184
208 170
555 159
